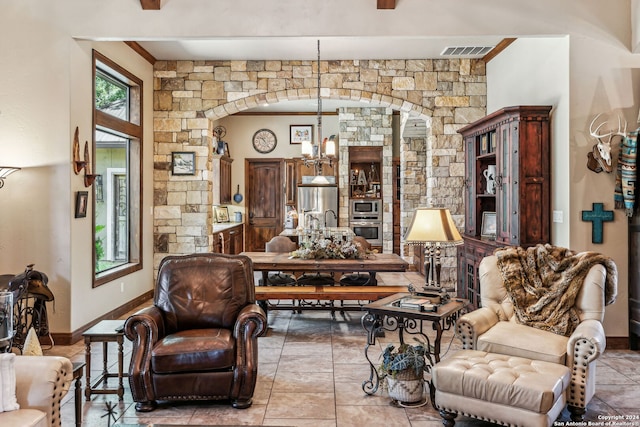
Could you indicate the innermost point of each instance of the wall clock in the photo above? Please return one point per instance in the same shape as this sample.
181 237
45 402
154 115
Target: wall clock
264 141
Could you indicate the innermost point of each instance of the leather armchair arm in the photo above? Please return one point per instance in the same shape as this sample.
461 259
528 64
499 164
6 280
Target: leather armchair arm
586 343
144 328
251 322
471 325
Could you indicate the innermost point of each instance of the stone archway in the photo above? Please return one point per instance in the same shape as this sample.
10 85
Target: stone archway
190 95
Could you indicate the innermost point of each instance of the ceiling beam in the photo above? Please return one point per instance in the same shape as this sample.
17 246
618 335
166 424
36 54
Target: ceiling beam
504 43
152 4
141 51
386 4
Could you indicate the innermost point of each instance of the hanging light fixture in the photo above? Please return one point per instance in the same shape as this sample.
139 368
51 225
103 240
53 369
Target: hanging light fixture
5 171
313 154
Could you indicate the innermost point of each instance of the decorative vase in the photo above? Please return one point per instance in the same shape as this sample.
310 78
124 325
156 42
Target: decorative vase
490 176
406 387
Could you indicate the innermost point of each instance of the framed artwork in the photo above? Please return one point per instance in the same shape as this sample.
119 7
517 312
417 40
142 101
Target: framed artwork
183 163
300 134
82 200
484 144
222 214
492 142
488 231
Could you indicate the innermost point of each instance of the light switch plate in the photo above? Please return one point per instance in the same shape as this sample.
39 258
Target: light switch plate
557 216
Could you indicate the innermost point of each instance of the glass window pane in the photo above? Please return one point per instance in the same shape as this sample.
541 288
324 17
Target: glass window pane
111 96
112 200
118 164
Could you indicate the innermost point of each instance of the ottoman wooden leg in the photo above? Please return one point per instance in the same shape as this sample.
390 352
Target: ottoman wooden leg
448 418
576 412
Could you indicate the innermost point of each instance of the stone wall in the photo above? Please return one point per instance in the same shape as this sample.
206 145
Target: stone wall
368 127
188 95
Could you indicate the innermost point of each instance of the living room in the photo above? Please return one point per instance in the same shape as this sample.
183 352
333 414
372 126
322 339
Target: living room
580 61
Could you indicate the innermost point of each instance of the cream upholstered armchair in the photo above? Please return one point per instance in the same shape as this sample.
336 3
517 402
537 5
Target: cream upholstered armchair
499 326
41 383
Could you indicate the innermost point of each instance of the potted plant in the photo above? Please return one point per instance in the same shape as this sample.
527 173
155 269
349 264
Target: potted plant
402 370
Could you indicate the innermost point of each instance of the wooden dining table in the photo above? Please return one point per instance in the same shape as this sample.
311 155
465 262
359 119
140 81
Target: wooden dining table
322 297
372 263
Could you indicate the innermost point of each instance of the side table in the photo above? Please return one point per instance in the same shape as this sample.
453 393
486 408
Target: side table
105 331
386 315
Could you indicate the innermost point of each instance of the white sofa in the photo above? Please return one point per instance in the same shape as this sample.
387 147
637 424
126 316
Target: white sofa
41 383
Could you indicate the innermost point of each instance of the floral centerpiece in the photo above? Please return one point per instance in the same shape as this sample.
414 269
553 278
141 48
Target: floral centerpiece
329 249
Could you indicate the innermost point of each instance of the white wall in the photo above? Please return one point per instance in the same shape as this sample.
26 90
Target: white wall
45 92
88 302
580 77
535 71
240 130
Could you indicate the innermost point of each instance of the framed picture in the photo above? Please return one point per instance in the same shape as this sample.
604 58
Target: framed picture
488 231
300 134
226 150
222 214
183 163
82 200
484 144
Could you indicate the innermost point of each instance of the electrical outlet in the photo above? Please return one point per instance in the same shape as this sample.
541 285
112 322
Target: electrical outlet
557 216
122 287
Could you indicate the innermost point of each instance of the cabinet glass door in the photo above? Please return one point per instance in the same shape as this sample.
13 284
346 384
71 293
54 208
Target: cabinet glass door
470 186
504 179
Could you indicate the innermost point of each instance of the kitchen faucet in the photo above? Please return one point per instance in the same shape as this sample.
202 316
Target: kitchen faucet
325 216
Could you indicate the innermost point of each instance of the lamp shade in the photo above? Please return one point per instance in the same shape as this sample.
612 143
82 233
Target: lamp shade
432 225
306 148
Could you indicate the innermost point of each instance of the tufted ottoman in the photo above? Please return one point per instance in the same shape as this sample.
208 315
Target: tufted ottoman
499 388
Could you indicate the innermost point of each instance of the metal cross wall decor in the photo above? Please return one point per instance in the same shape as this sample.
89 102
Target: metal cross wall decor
597 215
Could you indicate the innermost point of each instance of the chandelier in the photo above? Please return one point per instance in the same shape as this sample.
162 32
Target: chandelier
312 154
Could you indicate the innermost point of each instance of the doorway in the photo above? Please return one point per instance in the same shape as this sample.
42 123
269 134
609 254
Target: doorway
264 188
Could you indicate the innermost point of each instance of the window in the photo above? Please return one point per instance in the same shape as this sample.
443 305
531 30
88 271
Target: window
117 118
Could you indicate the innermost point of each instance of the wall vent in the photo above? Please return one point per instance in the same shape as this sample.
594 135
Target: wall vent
477 51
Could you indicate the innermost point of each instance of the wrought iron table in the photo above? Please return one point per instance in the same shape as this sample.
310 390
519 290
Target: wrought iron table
386 315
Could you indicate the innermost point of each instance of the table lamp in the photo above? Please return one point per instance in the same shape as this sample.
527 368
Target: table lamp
434 228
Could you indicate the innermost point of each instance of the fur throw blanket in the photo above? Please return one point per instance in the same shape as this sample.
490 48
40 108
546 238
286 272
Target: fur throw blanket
543 283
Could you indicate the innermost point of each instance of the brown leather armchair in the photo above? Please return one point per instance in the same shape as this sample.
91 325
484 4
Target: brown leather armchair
199 339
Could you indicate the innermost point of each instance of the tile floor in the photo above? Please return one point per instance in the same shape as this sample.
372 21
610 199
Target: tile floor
311 369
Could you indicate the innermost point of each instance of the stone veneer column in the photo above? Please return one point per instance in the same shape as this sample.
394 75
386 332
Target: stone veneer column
188 95
368 127
182 204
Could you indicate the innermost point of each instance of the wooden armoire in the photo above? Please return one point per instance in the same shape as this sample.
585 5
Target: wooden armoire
514 209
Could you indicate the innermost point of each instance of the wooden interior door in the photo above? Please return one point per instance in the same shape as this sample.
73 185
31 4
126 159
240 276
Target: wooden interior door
264 187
